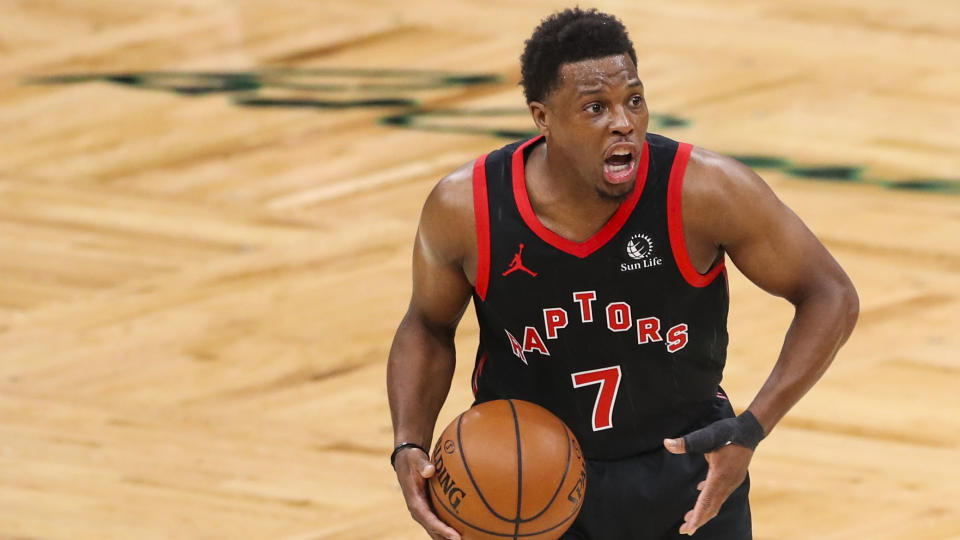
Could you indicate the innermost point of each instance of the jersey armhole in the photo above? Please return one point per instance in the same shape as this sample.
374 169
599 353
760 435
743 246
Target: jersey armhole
481 211
675 223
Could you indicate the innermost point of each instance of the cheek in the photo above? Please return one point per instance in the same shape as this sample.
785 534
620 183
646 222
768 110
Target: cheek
643 117
581 140
568 135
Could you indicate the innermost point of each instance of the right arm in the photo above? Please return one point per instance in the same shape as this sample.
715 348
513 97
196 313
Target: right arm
423 357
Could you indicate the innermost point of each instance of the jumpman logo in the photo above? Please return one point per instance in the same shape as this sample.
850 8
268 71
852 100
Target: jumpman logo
517 264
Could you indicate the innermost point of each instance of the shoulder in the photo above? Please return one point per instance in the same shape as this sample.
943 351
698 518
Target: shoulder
447 224
719 178
721 193
454 192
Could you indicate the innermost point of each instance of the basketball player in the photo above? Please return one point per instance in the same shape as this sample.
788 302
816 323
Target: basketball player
595 257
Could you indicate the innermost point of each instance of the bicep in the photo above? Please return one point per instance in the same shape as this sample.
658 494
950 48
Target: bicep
768 242
441 291
445 236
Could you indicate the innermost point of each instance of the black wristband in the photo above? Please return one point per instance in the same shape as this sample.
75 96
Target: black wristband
743 430
750 432
401 446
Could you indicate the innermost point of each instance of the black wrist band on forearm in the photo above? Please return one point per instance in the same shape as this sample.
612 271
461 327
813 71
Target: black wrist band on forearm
750 432
743 430
401 446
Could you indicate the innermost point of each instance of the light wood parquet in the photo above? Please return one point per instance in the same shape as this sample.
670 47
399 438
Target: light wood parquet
197 294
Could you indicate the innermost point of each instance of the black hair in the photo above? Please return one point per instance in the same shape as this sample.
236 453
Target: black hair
568 36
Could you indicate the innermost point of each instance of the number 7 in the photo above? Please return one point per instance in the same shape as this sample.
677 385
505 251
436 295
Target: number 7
609 381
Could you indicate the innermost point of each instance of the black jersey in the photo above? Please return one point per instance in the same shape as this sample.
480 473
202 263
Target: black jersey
619 335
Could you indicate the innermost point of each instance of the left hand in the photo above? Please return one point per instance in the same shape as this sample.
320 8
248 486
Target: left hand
726 470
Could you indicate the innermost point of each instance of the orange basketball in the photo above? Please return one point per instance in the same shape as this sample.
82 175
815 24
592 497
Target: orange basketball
507 469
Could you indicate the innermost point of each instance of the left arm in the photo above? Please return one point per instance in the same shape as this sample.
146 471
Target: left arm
727 206
776 251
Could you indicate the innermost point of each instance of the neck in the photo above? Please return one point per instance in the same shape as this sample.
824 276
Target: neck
562 200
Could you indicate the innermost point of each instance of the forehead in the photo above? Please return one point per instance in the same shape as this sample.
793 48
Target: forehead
597 74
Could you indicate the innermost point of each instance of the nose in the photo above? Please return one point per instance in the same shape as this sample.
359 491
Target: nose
620 122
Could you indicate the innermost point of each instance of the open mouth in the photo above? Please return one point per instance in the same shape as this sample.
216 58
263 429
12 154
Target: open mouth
619 167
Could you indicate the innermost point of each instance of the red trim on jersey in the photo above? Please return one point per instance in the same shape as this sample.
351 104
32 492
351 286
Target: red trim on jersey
675 223
481 212
476 374
601 237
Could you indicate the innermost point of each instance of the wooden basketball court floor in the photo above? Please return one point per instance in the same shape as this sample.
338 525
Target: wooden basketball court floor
206 217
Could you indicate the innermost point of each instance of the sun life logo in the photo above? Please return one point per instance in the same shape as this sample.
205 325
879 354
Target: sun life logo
640 248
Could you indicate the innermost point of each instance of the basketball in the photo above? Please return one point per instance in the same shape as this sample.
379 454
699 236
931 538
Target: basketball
507 469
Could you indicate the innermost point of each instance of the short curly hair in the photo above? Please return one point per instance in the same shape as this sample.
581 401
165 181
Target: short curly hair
568 36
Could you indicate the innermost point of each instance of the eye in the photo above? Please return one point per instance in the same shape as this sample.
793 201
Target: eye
594 108
636 100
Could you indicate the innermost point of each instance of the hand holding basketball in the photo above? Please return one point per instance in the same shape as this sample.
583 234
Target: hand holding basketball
413 469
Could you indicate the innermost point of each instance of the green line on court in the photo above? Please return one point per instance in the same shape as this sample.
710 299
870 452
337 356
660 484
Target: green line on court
371 88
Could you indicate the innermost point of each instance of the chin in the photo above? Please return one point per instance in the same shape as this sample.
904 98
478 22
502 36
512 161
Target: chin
616 192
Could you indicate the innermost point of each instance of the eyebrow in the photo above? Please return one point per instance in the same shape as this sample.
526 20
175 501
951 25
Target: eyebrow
599 89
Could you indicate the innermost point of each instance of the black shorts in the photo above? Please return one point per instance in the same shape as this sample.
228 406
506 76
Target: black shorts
645 497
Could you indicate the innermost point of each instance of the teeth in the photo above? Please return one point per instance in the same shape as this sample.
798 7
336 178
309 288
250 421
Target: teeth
618 168
622 153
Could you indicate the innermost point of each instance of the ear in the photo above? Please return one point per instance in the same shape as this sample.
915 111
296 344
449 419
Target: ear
540 116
